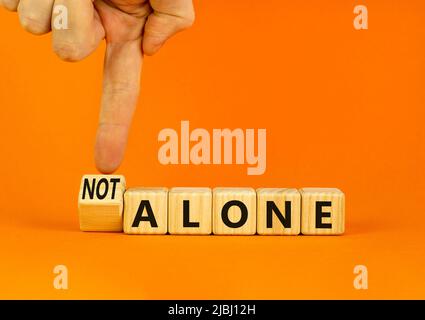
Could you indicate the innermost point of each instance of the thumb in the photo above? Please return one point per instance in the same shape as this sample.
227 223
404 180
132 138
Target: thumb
121 83
168 18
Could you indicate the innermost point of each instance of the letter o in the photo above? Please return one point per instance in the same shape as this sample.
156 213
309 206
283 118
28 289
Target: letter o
225 214
105 192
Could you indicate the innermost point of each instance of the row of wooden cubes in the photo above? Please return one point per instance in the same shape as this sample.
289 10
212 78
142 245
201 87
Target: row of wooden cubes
105 205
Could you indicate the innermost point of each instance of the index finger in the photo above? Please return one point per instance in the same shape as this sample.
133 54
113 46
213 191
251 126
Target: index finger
121 83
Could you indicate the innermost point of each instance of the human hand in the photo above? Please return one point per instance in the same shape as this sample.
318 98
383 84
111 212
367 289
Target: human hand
131 28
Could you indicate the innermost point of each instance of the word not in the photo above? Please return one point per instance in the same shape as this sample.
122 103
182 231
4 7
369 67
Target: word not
216 150
105 205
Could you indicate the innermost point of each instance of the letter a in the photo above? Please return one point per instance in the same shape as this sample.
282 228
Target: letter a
60 22
361 279
169 152
361 20
61 280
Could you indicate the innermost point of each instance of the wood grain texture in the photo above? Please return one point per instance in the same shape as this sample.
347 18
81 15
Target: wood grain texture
329 201
190 211
234 201
100 202
146 211
278 203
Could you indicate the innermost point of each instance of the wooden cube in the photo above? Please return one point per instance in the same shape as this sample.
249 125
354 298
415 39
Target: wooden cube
100 202
278 211
322 211
234 211
190 211
146 211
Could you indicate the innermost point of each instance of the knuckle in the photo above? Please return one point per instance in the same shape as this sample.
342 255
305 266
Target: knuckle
11 5
119 88
68 51
33 24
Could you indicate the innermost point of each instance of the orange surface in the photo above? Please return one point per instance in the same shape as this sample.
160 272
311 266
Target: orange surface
342 108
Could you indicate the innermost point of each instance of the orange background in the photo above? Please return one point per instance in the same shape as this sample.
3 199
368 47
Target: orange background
342 108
